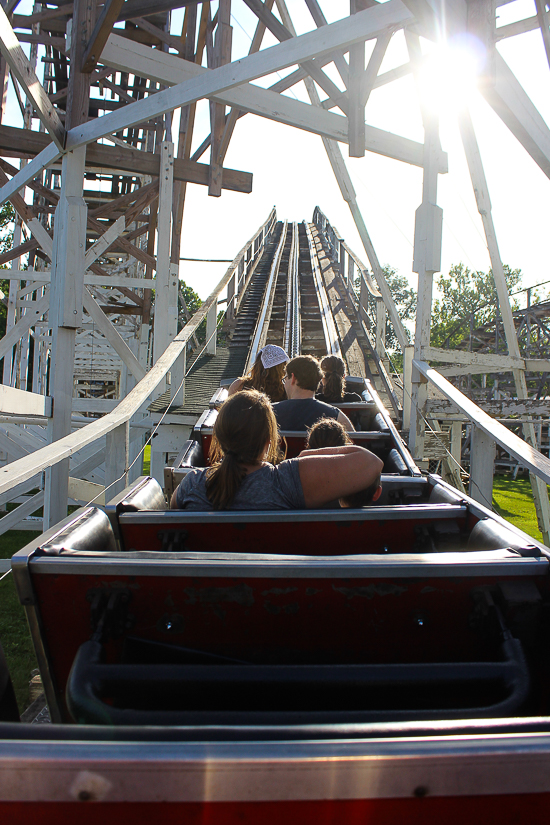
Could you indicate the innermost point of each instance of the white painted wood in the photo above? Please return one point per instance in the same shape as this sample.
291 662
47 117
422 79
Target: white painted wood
112 335
28 507
166 282
366 24
168 69
348 193
482 460
54 453
20 402
103 243
475 359
84 491
22 489
45 158
65 316
408 355
116 460
41 236
211 329
525 453
24 324
481 191
22 69
510 101
35 276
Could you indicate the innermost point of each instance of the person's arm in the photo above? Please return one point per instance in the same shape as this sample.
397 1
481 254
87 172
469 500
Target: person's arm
334 472
236 386
174 501
345 422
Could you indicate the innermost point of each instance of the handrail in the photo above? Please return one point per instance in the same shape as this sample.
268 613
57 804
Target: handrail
529 457
262 324
24 468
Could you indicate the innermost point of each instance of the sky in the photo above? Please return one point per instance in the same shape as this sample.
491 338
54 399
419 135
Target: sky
291 171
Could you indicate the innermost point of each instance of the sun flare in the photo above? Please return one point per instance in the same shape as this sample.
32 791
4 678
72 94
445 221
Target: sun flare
450 73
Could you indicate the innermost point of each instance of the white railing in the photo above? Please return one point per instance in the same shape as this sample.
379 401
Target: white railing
363 293
116 423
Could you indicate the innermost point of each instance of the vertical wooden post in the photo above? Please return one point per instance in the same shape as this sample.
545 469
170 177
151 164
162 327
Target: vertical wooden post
380 328
65 317
211 325
222 55
426 261
408 355
166 283
482 459
481 191
117 450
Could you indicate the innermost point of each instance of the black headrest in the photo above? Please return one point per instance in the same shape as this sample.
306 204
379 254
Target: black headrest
147 495
90 530
395 463
192 455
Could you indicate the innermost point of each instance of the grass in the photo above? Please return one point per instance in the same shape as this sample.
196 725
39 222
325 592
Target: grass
14 632
513 500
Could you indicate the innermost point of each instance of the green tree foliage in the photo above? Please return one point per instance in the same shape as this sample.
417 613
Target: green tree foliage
405 300
7 216
193 302
467 297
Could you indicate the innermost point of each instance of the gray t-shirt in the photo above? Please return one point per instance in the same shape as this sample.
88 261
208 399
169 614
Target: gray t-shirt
269 488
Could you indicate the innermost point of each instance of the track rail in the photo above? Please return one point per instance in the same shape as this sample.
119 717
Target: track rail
293 324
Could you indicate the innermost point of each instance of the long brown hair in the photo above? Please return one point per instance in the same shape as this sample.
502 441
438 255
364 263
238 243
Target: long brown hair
269 381
334 373
245 424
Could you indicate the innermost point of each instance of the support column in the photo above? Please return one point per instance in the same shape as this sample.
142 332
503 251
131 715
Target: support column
166 282
117 451
427 260
482 460
67 281
483 201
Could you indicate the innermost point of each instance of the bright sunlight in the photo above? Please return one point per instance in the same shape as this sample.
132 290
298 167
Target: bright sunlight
450 71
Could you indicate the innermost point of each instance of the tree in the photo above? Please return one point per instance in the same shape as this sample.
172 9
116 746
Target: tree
405 299
467 297
7 217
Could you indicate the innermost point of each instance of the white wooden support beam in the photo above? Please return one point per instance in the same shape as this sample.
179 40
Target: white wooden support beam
168 69
104 242
222 56
481 191
456 453
211 329
542 18
21 402
112 335
116 460
45 158
42 236
166 284
364 25
356 108
65 316
25 74
25 509
512 104
24 324
381 328
482 460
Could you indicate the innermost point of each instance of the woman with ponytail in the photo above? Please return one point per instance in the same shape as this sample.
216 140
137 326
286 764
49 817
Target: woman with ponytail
243 477
332 389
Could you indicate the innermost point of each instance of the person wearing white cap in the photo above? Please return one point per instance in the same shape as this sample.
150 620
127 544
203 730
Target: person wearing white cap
266 375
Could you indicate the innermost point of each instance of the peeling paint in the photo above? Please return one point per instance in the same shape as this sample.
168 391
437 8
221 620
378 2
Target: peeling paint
381 589
279 591
238 594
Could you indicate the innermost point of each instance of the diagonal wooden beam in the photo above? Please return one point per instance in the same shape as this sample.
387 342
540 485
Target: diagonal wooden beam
101 32
21 68
364 25
169 70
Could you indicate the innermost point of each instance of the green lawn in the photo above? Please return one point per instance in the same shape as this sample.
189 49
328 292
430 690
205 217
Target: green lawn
514 501
14 633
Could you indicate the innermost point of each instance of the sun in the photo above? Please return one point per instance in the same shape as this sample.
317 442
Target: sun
450 72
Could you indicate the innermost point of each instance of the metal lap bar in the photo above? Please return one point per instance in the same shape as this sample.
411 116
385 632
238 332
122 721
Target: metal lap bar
91 681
